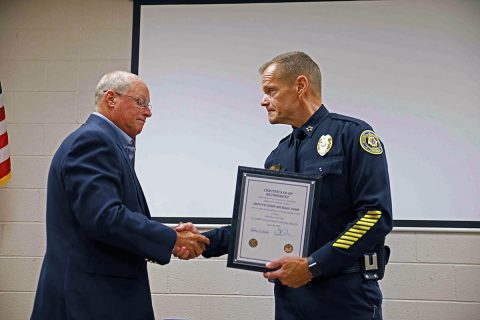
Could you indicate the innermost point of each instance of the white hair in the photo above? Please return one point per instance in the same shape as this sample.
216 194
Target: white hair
119 81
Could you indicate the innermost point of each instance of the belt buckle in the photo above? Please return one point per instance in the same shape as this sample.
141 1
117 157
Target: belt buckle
370 266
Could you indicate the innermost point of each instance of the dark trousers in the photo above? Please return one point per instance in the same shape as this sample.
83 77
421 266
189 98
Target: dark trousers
344 297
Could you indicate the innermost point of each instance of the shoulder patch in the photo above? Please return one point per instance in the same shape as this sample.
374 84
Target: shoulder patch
370 142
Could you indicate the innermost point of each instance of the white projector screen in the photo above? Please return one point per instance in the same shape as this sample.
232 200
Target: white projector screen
409 68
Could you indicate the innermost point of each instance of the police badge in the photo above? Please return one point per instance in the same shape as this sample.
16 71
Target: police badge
324 144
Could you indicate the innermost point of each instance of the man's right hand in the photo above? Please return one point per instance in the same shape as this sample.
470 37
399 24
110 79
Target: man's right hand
190 244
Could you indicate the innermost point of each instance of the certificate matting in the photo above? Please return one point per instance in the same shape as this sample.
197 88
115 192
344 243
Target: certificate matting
271 217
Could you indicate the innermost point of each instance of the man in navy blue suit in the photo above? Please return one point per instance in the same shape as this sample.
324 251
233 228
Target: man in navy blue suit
99 231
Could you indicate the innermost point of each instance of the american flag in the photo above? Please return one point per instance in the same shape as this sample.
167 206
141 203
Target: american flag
5 168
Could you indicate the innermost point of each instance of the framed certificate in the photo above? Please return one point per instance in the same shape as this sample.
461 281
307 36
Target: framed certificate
272 217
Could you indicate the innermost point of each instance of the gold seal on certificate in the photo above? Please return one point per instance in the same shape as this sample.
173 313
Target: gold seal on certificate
253 243
271 217
288 248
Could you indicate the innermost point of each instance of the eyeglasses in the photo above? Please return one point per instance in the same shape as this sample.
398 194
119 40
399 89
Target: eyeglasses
138 101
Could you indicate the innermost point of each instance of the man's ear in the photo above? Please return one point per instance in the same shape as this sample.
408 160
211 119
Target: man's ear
302 85
109 98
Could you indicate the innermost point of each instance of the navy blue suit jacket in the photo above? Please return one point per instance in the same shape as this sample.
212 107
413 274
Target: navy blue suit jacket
99 232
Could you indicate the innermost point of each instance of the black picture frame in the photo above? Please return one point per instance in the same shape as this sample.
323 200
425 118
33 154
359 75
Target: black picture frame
244 175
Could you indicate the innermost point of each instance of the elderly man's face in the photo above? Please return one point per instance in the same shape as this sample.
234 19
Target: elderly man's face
129 113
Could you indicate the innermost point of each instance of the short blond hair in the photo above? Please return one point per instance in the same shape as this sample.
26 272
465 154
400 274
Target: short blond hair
296 63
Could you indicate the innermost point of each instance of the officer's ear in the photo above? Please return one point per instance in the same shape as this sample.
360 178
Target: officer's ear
302 85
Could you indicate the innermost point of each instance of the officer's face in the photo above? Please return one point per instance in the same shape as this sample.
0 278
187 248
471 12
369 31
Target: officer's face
280 98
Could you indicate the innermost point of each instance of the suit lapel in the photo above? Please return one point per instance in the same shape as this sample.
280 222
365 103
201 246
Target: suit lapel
107 128
138 188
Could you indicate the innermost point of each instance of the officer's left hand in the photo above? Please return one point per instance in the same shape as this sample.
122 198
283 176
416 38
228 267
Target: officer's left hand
292 271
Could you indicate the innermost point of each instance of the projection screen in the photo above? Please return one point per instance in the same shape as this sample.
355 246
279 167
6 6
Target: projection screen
411 69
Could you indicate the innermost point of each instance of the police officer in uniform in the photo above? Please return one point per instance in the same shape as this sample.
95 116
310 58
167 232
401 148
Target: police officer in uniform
338 280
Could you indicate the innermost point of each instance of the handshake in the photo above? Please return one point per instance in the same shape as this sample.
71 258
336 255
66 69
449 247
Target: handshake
190 243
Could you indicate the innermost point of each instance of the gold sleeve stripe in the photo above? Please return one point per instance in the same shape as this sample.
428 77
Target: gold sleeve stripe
357 231
369 223
362 227
373 214
351 234
363 223
345 241
345 237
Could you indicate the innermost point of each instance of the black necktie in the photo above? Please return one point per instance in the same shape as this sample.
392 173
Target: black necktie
298 136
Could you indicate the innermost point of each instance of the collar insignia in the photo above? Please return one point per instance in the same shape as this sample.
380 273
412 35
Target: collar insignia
275 167
324 144
309 129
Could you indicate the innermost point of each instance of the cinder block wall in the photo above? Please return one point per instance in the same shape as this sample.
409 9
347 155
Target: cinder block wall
52 53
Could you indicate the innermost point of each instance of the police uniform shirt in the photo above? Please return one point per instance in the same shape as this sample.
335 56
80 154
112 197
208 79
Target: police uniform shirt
355 212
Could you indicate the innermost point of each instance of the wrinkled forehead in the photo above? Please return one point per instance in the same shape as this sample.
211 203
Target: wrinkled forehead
269 72
138 87
273 75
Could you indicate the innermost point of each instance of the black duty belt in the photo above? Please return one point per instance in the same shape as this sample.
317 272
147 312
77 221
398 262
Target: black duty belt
371 265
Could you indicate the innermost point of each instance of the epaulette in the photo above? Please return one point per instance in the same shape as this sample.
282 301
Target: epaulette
349 119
